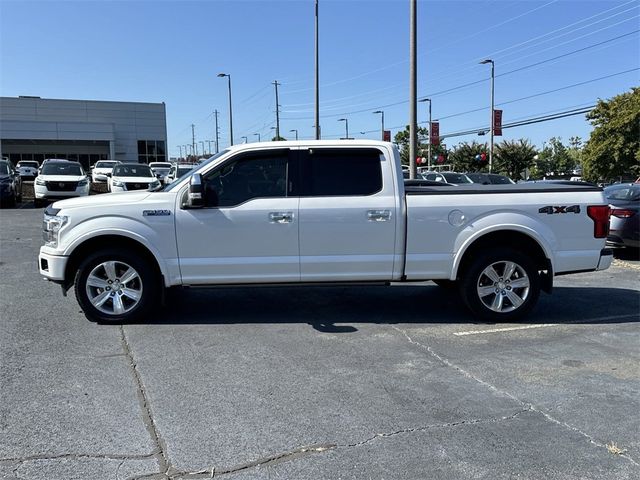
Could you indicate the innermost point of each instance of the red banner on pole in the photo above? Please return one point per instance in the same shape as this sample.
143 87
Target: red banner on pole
387 136
434 133
497 122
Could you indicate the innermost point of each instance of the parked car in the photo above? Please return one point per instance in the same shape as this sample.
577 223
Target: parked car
489 178
177 171
161 170
60 179
28 169
101 171
132 176
624 225
447 177
10 184
279 214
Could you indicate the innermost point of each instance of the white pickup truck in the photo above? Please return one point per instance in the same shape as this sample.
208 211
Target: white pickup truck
322 212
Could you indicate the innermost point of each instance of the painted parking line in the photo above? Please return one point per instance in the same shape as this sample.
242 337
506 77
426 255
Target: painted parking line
545 325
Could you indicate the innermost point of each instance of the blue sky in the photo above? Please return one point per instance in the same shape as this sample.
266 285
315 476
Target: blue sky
171 51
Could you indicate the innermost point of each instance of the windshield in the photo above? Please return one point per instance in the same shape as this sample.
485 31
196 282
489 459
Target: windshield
456 178
184 169
623 192
188 172
66 168
28 164
4 169
132 170
105 164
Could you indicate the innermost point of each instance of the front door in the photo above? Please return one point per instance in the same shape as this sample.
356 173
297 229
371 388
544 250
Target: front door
248 230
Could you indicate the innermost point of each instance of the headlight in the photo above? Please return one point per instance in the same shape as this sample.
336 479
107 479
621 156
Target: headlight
117 183
51 228
83 183
39 181
154 184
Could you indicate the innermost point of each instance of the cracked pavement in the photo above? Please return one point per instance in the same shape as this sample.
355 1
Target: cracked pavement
322 383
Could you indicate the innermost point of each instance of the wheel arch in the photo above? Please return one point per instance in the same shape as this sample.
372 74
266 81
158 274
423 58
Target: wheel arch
511 238
94 244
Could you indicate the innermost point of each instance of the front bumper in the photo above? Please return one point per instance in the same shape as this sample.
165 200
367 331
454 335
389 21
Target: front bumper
52 267
41 193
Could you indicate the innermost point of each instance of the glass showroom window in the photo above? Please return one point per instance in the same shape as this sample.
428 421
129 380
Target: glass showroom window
151 151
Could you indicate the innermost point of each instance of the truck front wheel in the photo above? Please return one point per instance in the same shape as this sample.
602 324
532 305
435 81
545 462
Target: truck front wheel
113 286
500 285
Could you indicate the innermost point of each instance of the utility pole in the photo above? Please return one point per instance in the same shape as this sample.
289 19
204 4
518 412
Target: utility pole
193 138
215 112
209 143
277 112
180 147
317 80
413 87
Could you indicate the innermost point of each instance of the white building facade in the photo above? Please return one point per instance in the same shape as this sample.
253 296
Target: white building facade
34 128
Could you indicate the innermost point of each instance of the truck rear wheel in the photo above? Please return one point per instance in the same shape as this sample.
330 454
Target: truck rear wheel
113 286
500 285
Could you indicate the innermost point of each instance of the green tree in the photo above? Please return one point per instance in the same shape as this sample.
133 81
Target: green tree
555 158
575 151
463 157
613 149
402 140
514 157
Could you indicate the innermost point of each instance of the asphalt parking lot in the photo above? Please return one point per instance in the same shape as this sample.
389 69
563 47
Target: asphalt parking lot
317 383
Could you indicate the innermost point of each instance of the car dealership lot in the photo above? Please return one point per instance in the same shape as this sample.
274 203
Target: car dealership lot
312 383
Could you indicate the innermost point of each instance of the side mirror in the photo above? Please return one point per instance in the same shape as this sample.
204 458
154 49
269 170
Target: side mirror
195 195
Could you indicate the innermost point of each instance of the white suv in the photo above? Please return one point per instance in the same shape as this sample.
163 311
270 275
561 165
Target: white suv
102 170
60 179
132 176
28 168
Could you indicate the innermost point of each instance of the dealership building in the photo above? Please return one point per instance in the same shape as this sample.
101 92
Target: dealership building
34 128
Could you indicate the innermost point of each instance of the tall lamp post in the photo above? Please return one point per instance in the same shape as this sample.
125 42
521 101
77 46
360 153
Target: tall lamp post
202 146
258 136
346 126
382 132
230 110
429 158
294 130
493 76
180 147
245 139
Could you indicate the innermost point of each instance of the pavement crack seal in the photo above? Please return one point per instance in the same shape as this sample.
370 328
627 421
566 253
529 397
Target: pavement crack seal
527 406
215 472
434 426
147 416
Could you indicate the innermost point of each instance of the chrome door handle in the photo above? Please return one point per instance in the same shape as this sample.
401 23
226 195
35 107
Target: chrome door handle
280 217
378 215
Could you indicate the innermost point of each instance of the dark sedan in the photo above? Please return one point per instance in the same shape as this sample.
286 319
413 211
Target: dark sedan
10 184
624 226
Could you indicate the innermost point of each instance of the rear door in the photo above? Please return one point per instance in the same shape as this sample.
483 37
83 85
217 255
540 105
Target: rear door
348 215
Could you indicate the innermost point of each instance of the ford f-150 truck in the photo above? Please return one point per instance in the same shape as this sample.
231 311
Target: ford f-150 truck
321 212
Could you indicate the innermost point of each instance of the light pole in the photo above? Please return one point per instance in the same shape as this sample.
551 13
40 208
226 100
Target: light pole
493 76
258 136
294 130
209 143
245 139
180 147
346 126
317 72
429 158
230 110
382 132
202 146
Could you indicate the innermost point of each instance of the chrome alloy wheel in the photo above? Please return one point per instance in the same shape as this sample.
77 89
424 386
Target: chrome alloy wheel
114 287
503 286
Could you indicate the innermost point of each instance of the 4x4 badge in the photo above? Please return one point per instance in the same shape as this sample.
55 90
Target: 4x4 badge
156 213
551 210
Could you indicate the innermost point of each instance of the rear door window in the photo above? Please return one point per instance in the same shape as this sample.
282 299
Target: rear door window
328 172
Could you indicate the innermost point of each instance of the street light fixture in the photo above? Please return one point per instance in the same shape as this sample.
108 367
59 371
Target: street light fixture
429 159
346 126
493 76
230 110
294 130
245 139
382 133
258 136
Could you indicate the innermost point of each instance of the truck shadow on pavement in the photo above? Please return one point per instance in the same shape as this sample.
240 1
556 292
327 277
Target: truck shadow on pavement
338 309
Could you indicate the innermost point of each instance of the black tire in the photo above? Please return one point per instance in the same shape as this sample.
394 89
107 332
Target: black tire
498 299
118 304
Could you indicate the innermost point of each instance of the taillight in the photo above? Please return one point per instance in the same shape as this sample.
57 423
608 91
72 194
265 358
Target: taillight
622 212
600 216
